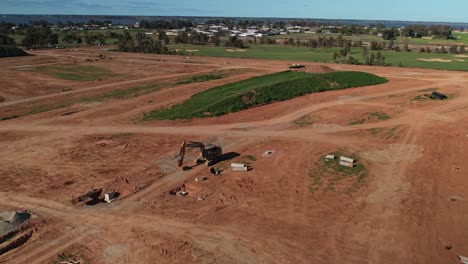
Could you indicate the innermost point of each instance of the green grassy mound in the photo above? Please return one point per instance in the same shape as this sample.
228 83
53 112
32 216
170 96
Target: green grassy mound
261 90
201 78
74 72
11 51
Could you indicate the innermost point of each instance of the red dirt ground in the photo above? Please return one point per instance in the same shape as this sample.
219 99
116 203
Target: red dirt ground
410 205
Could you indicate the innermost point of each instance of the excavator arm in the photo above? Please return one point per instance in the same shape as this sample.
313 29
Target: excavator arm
188 144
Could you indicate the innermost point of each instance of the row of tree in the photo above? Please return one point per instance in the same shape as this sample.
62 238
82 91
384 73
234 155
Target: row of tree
166 24
419 31
40 37
194 38
235 42
370 59
323 42
454 49
5 40
141 43
5 28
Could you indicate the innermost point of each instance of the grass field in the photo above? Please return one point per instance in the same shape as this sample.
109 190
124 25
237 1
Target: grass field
327 174
459 38
131 92
75 72
282 52
272 52
17 37
261 90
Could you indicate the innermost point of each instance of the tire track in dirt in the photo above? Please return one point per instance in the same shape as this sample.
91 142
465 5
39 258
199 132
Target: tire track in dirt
122 84
387 196
288 165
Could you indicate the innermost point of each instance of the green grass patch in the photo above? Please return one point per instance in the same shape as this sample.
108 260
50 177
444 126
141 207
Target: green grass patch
459 38
283 52
201 78
373 115
419 98
121 135
251 158
261 90
357 122
380 115
247 159
303 121
268 52
50 107
75 72
385 133
17 37
375 131
131 92
326 174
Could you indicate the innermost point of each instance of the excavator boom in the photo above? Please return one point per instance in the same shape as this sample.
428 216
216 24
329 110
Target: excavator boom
207 153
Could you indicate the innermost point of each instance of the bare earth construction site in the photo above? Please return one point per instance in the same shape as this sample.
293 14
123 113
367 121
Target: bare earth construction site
63 137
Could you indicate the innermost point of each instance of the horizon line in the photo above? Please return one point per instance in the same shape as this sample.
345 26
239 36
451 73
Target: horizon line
301 18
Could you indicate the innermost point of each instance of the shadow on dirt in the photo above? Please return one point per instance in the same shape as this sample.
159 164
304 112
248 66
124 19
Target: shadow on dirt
224 157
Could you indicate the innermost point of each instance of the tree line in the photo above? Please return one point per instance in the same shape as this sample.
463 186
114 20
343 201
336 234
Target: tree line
323 42
368 58
419 31
141 43
166 24
40 37
5 40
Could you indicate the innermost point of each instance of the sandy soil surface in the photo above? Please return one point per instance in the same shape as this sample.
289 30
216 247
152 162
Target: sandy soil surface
409 207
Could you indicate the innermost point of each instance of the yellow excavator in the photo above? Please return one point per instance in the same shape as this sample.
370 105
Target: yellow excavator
207 153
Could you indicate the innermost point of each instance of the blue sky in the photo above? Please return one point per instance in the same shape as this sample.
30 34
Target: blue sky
414 10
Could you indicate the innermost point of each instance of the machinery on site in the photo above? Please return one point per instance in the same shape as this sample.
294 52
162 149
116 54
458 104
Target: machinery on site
90 198
207 153
296 66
